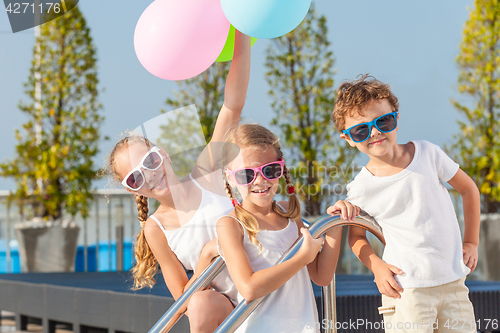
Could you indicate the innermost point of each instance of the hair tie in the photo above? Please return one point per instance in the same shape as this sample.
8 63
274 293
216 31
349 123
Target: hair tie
291 189
235 203
142 223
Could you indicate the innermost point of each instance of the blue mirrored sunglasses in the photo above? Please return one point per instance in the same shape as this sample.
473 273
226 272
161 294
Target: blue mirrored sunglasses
361 132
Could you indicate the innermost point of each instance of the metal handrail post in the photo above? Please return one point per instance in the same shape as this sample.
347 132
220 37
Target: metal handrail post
319 227
175 312
329 307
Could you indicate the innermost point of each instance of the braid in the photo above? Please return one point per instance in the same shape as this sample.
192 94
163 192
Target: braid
229 191
146 265
142 208
249 221
293 202
286 174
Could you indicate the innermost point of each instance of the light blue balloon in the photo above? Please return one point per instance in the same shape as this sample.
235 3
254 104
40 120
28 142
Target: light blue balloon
265 18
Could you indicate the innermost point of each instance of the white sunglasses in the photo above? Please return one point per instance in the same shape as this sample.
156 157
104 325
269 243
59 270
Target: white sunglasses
135 179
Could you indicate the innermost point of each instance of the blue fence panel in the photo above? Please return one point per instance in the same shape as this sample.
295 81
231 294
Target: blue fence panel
104 257
15 264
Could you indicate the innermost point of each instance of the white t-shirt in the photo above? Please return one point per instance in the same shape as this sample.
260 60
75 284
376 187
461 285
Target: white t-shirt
417 216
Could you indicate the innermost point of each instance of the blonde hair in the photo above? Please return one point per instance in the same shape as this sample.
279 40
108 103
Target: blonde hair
253 135
146 264
353 96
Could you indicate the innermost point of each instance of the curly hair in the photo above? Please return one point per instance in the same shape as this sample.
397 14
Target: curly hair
146 265
259 137
354 96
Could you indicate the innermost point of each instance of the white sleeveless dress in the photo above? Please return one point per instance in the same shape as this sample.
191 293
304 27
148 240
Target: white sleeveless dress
188 241
292 307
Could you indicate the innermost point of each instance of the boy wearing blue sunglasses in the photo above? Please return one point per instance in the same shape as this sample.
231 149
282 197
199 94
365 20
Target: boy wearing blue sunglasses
401 187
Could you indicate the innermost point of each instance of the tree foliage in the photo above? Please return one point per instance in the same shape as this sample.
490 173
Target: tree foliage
206 91
477 145
53 166
300 74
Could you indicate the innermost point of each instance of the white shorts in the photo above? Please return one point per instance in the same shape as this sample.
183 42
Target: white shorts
443 308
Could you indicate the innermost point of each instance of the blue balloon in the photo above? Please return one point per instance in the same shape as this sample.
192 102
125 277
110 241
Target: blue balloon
265 18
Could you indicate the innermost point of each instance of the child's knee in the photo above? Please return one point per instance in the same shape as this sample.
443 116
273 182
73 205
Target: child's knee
205 308
206 303
199 302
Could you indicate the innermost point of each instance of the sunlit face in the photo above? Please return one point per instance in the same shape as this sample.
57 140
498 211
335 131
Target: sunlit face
155 181
261 191
378 143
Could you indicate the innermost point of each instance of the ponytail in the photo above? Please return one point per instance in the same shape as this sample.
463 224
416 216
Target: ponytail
146 265
249 221
293 202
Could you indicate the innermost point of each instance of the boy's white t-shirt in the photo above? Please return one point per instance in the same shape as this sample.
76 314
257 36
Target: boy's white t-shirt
417 216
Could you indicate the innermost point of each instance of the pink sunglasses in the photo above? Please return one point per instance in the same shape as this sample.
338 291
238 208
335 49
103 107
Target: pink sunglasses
269 171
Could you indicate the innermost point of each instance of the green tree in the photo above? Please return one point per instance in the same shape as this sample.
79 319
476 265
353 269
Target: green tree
477 145
300 74
206 91
53 166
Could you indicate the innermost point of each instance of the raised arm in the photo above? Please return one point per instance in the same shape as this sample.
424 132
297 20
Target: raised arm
229 115
251 284
236 88
471 202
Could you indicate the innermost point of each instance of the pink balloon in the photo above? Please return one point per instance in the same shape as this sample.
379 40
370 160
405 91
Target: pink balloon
179 39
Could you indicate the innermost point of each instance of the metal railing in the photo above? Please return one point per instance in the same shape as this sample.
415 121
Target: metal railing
319 227
243 310
175 312
112 219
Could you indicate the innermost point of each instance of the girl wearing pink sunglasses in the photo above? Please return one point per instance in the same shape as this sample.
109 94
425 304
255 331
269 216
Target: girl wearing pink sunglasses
259 230
180 234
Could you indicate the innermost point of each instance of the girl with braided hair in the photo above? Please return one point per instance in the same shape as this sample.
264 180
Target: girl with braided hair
259 230
180 234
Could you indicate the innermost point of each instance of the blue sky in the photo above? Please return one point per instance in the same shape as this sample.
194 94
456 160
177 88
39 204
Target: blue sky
411 45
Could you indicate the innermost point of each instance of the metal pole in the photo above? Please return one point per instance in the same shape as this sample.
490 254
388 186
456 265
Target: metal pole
85 250
8 240
119 235
329 307
110 256
175 312
320 226
97 235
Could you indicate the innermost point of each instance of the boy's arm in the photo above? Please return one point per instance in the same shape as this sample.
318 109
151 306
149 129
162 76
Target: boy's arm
471 202
236 88
322 269
384 273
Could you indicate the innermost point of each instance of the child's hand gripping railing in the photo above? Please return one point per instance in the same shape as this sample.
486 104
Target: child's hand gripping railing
175 312
317 228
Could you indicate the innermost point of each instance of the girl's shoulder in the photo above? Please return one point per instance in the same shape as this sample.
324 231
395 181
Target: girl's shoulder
154 237
229 225
228 220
